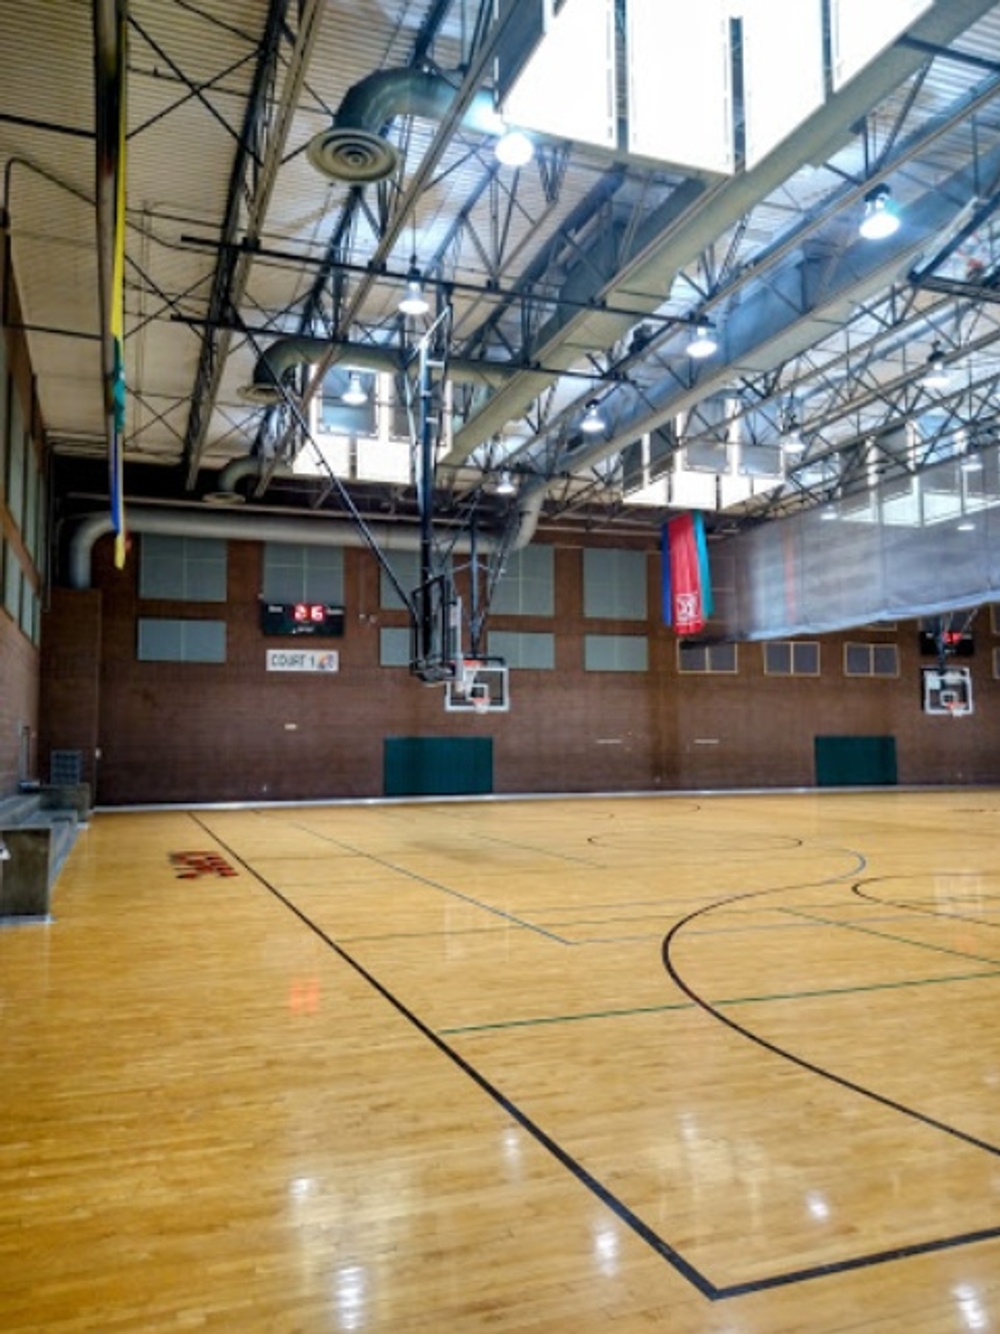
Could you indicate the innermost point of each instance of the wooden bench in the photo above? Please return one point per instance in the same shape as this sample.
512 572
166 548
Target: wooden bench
37 831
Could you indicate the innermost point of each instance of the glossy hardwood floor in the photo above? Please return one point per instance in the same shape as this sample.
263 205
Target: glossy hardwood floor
674 1063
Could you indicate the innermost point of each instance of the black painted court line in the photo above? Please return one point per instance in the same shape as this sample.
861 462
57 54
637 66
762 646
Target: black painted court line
868 1261
811 1066
674 1258
587 1179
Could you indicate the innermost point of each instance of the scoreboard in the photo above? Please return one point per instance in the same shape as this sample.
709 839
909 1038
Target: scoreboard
301 618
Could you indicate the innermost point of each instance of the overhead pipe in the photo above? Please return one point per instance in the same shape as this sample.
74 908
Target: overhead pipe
353 148
323 531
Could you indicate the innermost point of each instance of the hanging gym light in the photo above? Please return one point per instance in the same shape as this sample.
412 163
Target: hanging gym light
881 217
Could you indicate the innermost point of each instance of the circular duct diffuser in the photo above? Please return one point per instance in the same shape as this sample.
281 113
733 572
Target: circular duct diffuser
220 499
353 155
263 395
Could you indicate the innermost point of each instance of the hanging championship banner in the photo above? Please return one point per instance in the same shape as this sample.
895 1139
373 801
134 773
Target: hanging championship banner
687 590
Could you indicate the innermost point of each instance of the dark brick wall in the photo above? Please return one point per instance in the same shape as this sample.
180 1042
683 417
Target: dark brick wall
236 732
71 665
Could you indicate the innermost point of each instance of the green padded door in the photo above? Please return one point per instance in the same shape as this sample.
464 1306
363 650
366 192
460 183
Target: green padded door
855 761
437 766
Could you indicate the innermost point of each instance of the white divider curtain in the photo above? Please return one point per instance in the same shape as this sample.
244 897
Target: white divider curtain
897 552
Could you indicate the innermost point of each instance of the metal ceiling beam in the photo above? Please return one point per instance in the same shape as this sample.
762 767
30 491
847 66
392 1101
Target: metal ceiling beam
251 183
475 76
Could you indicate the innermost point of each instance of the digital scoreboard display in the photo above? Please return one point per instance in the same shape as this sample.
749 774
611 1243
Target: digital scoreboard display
954 643
301 618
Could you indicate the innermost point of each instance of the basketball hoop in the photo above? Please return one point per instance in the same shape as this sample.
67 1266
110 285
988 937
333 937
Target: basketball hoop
481 703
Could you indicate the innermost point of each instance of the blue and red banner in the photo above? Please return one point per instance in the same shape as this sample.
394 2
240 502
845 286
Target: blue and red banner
687 587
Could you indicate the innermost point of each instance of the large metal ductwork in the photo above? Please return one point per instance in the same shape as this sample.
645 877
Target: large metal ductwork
257 527
353 148
287 353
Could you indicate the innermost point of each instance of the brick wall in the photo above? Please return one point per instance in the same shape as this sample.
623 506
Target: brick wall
173 732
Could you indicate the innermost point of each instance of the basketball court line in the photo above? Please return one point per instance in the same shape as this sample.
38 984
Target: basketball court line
811 1066
711 1291
888 935
423 880
776 997
925 911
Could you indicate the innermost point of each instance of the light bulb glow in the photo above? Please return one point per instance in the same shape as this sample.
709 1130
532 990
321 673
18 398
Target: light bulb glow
592 422
354 395
703 344
514 149
881 216
414 302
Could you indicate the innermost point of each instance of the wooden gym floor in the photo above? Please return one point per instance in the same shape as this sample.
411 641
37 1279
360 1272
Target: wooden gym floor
676 1063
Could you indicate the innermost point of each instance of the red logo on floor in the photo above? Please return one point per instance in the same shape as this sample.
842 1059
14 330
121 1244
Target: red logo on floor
191 865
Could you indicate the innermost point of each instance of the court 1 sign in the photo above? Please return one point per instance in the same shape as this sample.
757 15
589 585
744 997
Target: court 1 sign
302 660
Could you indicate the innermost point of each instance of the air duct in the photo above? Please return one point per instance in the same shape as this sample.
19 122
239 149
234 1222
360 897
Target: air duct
225 492
257 527
353 148
287 353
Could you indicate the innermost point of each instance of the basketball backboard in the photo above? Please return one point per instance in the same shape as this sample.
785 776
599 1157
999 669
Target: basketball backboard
481 685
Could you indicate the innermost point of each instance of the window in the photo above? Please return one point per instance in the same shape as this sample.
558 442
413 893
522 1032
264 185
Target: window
526 587
29 617
520 649
394 646
995 618
296 573
791 657
5 391
182 569
707 658
615 653
30 528
181 641
11 583
15 460
614 584
406 567
996 664
871 660
348 418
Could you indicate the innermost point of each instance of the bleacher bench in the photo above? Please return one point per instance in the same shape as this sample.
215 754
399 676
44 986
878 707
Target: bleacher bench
37 831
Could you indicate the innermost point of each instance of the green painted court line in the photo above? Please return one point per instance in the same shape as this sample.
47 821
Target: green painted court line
564 1018
899 940
443 934
733 1000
